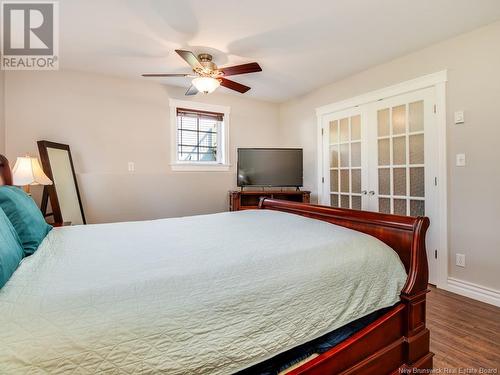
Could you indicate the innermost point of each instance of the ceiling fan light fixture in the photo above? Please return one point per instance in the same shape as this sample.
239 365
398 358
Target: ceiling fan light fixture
206 85
208 76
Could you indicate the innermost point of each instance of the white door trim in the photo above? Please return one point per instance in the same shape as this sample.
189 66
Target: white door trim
442 168
423 82
438 81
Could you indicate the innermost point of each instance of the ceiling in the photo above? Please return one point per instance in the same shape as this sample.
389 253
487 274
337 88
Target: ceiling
301 45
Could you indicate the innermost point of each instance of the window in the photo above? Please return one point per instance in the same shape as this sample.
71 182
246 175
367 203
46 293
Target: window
199 136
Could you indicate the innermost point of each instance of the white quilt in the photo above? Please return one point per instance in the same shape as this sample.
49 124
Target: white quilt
208 294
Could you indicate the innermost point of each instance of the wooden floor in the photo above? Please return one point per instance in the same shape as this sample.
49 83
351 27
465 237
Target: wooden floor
465 334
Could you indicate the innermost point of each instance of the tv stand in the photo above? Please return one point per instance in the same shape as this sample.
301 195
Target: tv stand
249 199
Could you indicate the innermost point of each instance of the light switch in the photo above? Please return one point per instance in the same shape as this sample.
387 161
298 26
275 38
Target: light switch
131 166
460 160
459 117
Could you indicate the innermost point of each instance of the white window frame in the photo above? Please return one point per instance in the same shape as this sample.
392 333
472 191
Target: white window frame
223 145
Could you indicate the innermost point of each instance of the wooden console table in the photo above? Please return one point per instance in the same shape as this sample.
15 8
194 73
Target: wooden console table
249 199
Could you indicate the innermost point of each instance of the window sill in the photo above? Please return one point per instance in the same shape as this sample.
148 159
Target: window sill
198 167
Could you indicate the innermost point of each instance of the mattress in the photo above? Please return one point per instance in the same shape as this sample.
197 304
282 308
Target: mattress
210 294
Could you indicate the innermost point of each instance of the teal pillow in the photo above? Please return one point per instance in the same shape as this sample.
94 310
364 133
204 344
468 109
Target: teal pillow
11 251
25 216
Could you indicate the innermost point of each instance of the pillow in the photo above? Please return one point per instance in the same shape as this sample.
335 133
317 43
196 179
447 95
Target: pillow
25 216
11 251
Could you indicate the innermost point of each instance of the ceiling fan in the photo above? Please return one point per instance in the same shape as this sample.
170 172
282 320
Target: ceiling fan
207 76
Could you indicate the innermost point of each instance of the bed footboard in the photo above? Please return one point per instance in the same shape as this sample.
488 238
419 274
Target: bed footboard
398 342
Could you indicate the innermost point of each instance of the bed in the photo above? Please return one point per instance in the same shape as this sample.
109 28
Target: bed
149 297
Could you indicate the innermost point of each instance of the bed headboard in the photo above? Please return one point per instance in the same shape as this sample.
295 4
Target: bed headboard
5 172
404 234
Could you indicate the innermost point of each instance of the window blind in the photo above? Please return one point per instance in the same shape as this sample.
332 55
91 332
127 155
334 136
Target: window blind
200 114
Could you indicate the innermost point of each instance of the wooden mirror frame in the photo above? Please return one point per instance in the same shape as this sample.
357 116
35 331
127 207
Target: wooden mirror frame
50 191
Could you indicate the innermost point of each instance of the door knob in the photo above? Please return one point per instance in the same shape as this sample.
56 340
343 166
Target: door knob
364 192
371 192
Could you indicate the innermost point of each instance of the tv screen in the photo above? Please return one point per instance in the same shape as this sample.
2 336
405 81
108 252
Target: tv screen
270 167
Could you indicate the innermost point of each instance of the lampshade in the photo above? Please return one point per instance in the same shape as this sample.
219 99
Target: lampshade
205 85
27 171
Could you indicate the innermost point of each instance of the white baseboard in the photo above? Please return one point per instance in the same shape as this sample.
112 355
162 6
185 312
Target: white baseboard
474 291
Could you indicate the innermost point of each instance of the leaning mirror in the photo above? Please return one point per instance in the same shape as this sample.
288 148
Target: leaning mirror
64 195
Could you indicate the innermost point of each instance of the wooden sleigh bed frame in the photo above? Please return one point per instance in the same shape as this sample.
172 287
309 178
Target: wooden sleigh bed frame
397 342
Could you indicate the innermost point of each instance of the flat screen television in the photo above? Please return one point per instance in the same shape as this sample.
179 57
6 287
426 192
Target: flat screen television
280 167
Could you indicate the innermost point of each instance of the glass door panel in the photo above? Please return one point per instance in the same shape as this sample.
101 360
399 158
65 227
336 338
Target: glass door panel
400 159
345 161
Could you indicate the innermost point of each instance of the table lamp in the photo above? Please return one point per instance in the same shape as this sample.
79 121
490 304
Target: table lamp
27 171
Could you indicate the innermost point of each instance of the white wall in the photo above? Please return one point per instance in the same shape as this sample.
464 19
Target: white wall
473 63
110 121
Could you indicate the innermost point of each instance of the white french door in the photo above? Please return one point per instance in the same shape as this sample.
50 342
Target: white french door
382 156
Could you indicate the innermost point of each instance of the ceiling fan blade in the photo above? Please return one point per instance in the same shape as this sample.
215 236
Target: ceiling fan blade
241 69
165 75
190 58
233 85
191 91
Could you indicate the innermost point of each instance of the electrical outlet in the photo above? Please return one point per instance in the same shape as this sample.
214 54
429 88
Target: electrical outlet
460 260
131 166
